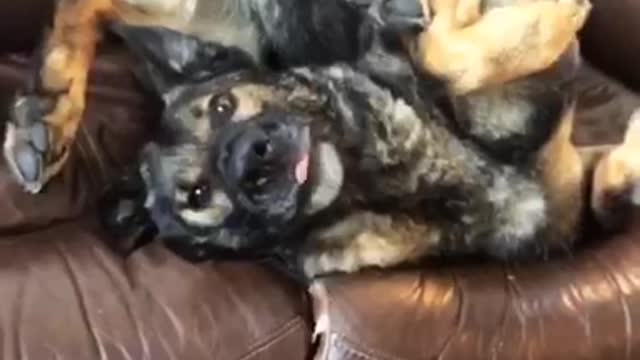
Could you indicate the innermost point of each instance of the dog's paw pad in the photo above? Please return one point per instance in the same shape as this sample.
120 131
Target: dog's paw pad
27 144
28 162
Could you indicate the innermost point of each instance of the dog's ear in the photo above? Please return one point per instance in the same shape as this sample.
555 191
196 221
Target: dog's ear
169 58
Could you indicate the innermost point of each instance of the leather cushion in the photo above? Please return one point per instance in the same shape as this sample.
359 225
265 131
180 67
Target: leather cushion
65 296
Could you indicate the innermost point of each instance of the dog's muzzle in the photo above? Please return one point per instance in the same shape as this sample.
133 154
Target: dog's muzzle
265 160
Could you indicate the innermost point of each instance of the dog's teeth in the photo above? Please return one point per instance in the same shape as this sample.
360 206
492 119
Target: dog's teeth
262 181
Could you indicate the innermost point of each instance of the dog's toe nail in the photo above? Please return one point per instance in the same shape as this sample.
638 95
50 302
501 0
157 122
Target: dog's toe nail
28 162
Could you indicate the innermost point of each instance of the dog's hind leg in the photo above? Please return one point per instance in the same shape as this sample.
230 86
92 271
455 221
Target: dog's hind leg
615 196
47 115
472 44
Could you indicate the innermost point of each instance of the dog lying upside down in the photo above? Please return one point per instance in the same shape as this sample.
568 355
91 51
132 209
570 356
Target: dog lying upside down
468 43
249 157
354 165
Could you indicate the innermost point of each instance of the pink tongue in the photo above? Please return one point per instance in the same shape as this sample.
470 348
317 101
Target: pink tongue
302 169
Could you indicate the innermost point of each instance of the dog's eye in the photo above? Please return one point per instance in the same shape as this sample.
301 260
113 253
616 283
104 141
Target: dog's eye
199 196
223 104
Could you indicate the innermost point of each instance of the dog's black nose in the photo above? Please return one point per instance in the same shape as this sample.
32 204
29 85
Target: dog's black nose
254 151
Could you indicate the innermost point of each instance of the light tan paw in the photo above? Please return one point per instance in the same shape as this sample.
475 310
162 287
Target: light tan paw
503 44
616 182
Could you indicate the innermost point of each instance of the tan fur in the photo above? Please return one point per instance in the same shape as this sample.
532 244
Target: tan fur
563 177
618 171
369 238
471 49
565 169
68 55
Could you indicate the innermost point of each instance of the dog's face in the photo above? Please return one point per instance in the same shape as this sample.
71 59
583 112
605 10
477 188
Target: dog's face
232 161
230 164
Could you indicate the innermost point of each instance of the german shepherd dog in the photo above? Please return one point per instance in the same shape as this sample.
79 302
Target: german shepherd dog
472 43
363 163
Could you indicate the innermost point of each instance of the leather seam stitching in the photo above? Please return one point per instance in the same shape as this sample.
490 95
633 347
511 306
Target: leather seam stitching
356 348
284 331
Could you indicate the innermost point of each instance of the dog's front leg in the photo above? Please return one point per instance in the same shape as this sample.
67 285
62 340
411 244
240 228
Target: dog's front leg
46 117
366 239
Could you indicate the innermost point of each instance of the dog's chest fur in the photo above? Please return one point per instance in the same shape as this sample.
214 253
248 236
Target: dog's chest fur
403 160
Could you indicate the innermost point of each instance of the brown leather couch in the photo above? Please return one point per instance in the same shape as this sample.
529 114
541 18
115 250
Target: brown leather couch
65 295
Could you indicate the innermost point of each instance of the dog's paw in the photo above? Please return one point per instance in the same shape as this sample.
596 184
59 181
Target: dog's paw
32 151
44 122
616 182
316 265
123 215
471 49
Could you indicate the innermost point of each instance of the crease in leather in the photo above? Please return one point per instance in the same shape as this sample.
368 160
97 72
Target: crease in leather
18 312
582 313
347 345
234 297
126 301
609 273
514 300
98 173
498 339
97 345
458 319
284 331
210 319
174 320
